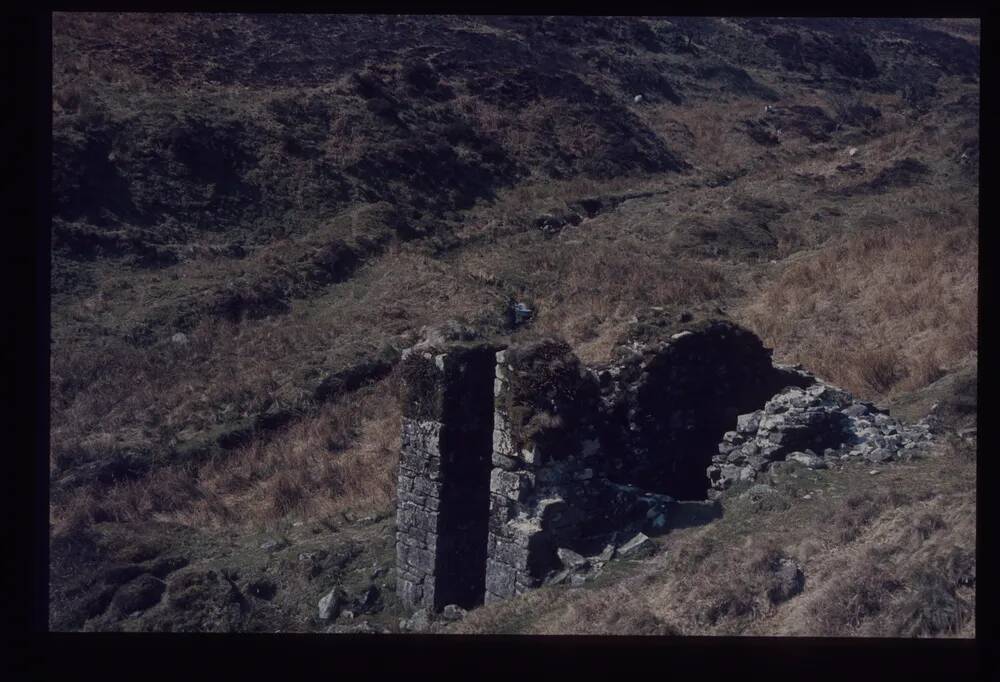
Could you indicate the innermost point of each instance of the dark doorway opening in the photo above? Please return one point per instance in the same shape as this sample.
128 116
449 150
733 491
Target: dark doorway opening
689 398
467 450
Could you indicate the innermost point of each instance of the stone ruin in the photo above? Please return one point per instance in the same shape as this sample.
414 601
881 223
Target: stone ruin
516 461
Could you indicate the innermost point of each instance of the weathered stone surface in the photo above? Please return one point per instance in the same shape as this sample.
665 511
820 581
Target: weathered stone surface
639 546
748 423
331 603
453 612
571 559
807 459
418 622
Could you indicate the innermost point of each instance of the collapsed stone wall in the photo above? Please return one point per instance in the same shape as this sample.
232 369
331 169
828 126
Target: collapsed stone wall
816 426
517 460
669 395
548 490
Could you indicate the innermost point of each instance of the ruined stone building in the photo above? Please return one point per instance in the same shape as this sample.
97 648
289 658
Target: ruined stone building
510 454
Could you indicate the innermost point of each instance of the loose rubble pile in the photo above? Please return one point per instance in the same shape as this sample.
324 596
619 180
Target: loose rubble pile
814 426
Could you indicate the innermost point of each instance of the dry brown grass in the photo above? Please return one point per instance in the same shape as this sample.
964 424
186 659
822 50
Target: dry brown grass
707 131
881 310
892 555
109 394
342 458
586 291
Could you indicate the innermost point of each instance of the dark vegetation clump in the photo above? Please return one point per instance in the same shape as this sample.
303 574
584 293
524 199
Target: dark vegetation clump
548 393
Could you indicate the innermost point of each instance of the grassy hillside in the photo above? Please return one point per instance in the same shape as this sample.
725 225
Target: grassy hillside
254 214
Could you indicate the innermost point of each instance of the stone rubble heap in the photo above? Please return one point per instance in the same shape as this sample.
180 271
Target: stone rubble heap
815 426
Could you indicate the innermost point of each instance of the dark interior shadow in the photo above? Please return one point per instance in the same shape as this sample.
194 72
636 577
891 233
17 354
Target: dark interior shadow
690 513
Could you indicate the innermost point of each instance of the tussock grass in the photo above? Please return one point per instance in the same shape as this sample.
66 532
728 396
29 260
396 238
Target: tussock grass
892 555
342 458
590 290
881 310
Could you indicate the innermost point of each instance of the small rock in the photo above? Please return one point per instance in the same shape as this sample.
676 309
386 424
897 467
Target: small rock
274 545
811 461
748 423
855 410
873 472
879 455
639 546
577 580
571 559
180 339
329 606
453 612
